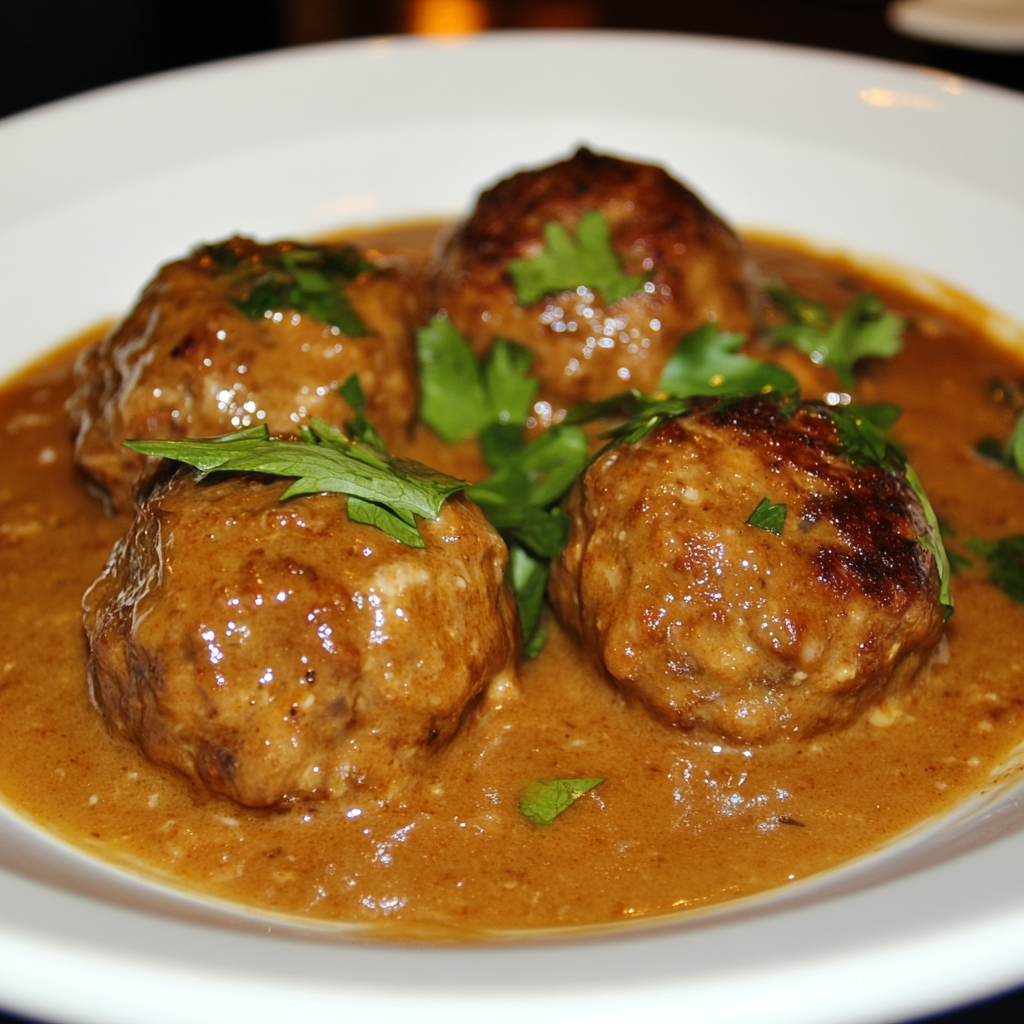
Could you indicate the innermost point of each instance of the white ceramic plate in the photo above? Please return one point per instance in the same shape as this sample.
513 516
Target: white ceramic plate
976 24
922 168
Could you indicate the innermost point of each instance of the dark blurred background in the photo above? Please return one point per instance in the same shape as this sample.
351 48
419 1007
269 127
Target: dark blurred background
55 48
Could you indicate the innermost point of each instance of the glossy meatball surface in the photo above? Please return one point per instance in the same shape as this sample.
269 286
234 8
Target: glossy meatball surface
729 629
272 650
188 362
586 347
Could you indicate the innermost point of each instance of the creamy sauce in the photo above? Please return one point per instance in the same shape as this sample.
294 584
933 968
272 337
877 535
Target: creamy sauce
677 824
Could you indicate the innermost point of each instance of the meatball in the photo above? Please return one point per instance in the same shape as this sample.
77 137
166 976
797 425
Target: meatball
187 361
729 629
274 650
587 348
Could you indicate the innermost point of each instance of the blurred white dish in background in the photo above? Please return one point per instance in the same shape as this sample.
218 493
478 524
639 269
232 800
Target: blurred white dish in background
976 24
923 168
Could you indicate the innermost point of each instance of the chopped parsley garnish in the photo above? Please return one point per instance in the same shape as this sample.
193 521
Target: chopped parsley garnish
586 261
866 328
768 516
528 578
382 491
1015 446
359 427
307 279
534 477
1010 453
1005 560
881 414
708 362
542 802
864 444
519 500
465 398
957 563
861 432
642 415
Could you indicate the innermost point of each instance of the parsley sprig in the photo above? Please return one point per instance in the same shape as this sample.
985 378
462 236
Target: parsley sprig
307 279
465 398
359 427
1005 559
520 501
518 498
587 261
382 490
860 430
642 415
866 328
1009 453
491 399
706 362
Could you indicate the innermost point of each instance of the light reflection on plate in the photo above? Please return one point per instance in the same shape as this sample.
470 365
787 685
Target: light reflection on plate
922 168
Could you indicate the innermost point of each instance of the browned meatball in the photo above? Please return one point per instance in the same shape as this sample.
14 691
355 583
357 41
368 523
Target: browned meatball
276 650
188 362
588 348
728 628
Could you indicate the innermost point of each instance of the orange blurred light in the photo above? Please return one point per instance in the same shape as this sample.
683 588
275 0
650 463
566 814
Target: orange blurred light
446 17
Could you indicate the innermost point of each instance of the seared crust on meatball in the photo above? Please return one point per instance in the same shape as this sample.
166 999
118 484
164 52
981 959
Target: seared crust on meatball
726 628
187 362
276 650
588 348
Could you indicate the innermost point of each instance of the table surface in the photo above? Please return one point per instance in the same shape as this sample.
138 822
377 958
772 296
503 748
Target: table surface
52 50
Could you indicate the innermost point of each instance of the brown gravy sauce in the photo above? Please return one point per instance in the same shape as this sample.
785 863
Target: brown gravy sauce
678 824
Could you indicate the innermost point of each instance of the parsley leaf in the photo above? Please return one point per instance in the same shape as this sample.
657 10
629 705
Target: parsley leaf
991 449
881 414
587 261
1005 559
1015 446
528 578
544 801
864 444
307 279
800 310
463 398
768 516
359 427
866 328
1010 454
931 539
510 389
537 475
454 403
643 415
500 440
518 500
387 492
957 563
708 362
